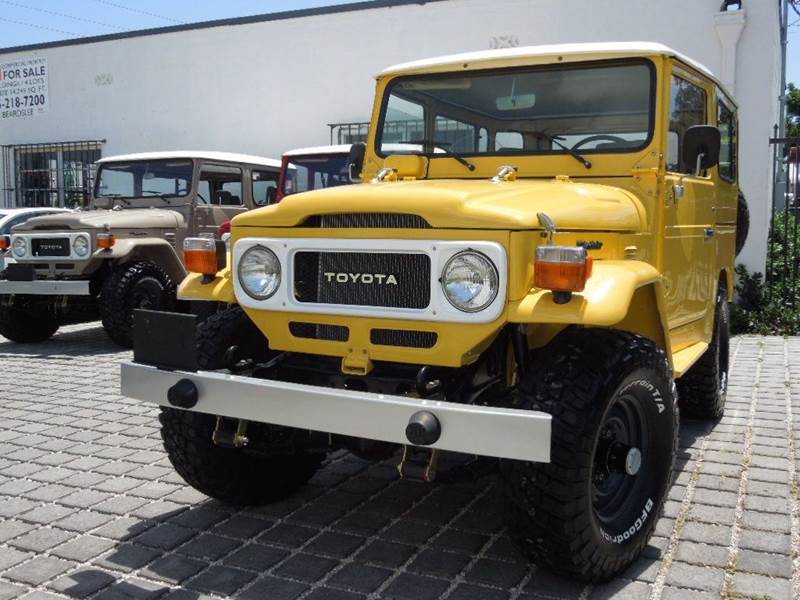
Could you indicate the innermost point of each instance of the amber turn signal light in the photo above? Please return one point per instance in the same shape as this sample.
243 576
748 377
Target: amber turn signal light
562 268
105 240
5 242
200 255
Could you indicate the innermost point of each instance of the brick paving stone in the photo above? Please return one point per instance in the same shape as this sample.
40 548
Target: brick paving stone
89 505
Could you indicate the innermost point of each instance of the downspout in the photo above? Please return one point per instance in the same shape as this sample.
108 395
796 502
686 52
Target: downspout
729 26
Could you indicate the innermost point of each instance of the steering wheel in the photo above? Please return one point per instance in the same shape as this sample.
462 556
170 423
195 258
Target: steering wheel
598 138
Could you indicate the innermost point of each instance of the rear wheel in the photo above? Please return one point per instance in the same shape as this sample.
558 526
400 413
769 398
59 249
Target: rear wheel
591 510
141 284
703 389
271 466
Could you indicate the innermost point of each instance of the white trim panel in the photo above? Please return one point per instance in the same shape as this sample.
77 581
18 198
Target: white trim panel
50 235
439 252
483 430
45 287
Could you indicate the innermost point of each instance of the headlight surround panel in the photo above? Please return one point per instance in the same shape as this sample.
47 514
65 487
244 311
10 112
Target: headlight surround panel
440 308
78 241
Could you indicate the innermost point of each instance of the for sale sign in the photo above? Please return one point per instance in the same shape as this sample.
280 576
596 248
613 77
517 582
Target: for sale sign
23 88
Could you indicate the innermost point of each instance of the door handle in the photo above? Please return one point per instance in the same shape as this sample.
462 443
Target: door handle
709 232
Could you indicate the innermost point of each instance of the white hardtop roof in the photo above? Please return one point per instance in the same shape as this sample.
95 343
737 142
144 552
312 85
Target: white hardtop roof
202 154
32 209
335 149
620 48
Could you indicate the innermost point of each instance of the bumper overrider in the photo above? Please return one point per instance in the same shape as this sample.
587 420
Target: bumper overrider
482 430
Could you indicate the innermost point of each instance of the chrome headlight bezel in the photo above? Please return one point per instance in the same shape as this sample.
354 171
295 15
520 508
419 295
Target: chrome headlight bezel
491 272
19 243
81 241
271 288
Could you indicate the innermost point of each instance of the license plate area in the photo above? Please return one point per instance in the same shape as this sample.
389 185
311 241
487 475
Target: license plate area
165 340
20 272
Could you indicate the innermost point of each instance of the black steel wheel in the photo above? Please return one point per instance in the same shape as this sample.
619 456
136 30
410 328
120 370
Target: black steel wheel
590 511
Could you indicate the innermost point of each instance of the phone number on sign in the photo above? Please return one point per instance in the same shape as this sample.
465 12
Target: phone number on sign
23 101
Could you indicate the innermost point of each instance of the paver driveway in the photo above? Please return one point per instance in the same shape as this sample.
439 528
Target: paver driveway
91 508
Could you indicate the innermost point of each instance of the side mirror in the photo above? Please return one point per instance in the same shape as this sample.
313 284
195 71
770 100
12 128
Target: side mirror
701 145
355 161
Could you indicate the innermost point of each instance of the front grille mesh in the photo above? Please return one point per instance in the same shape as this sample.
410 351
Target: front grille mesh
403 338
315 331
363 279
367 221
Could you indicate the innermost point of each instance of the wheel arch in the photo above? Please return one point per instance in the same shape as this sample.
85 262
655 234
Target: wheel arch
156 250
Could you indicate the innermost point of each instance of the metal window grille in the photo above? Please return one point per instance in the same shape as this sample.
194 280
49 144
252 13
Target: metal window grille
455 133
783 256
59 174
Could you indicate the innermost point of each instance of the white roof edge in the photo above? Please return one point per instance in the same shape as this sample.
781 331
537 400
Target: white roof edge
250 159
621 48
333 149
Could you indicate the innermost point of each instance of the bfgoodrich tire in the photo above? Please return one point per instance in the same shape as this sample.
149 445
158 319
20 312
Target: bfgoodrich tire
590 511
703 389
141 284
26 321
271 467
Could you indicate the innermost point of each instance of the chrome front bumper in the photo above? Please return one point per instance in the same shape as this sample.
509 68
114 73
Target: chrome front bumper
45 287
486 431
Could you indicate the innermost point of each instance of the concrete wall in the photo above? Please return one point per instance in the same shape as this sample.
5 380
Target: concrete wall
265 87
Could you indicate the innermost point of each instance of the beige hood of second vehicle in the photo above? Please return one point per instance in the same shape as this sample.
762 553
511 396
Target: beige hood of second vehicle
139 218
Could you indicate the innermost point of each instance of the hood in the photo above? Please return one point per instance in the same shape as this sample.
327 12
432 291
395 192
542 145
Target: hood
467 204
129 218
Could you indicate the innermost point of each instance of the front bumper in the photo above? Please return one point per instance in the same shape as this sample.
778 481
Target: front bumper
45 287
483 430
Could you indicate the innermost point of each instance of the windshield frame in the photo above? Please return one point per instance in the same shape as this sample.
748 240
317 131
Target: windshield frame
652 98
190 190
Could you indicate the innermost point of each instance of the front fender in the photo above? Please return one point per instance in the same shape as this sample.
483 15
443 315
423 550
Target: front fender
155 249
220 289
604 302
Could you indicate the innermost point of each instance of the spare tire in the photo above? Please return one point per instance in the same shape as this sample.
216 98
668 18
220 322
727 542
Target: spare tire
742 223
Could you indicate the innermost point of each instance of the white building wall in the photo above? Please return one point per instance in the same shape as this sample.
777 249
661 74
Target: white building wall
265 87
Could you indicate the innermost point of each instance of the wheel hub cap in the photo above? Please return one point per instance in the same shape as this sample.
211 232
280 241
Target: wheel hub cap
633 461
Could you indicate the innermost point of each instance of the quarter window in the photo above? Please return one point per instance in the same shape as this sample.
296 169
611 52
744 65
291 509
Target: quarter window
726 122
687 107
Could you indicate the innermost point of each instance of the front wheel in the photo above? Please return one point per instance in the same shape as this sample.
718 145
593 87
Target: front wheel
591 510
142 284
272 465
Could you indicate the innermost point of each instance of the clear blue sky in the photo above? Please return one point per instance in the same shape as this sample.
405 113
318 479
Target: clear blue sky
32 21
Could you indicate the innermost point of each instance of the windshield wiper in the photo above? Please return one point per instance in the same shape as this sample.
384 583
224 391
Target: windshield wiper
159 194
555 140
443 146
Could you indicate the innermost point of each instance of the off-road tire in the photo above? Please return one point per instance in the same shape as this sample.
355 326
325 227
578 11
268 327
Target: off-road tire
583 380
26 321
141 284
742 222
231 475
703 388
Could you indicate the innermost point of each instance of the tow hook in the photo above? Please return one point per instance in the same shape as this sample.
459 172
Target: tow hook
228 437
418 463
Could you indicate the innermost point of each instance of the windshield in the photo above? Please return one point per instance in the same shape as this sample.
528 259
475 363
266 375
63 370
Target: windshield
605 107
306 173
145 179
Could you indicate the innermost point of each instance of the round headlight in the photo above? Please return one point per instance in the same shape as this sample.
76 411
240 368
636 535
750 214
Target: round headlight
259 272
80 246
19 247
470 281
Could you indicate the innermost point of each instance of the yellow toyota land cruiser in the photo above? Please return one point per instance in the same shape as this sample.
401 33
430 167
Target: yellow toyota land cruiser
537 269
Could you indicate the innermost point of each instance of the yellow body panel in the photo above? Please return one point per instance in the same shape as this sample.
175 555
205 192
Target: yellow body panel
655 273
218 290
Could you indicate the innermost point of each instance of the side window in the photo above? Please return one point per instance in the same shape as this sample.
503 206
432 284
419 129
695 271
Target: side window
726 122
220 186
265 186
687 107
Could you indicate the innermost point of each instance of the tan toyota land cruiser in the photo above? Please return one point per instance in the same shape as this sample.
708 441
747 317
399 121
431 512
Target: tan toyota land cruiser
537 268
126 251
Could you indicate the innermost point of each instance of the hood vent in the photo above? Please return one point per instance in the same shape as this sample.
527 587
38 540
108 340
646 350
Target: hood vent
367 221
